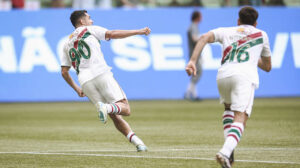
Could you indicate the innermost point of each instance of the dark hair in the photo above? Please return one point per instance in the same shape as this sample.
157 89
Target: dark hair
248 15
76 15
195 15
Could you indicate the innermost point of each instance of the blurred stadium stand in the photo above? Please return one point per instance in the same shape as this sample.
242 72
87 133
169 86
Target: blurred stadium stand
91 4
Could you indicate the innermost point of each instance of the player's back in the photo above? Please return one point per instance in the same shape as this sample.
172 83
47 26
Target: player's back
84 52
242 47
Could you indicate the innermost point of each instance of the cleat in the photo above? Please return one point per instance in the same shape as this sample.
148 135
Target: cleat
223 160
102 112
231 158
141 148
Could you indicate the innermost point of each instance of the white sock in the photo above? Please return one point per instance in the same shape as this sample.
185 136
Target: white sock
233 137
135 140
113 108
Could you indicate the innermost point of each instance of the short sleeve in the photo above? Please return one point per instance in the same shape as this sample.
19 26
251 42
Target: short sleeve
266 52
218 33
65 59
98 32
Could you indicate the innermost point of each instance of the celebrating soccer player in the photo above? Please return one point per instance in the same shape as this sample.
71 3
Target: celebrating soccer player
83 52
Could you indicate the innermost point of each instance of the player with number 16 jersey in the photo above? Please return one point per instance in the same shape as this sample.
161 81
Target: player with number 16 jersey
242 48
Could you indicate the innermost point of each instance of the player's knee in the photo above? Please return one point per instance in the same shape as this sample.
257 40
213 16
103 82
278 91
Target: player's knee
128 112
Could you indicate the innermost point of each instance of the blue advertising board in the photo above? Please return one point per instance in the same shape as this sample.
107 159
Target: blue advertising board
147 67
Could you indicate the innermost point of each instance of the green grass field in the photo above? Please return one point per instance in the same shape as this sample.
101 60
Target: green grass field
177 133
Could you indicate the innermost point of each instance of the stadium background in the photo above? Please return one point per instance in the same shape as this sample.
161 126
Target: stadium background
42 126
147 67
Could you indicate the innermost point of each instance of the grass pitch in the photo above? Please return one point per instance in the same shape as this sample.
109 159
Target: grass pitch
177 133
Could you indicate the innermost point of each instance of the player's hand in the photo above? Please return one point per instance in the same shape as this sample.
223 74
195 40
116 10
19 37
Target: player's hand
191 69
146 31
80 92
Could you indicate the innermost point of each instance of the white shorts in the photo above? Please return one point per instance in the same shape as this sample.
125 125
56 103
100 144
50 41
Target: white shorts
103 88
237 91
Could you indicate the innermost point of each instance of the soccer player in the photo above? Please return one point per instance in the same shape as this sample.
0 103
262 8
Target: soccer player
244 48
83 52
193 36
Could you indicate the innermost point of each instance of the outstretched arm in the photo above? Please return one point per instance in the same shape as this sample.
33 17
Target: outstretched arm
265 64
70 81
116 34
204 39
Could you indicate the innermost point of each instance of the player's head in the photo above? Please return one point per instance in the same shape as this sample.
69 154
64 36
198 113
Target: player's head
81 18
248 16
196 16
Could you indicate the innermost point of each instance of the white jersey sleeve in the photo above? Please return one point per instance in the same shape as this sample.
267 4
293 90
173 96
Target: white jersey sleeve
65 59
218 33
98 32
266 52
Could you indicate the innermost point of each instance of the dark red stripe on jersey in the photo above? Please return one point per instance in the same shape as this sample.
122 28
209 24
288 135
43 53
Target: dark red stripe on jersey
249 37
226 51
78 37
240 42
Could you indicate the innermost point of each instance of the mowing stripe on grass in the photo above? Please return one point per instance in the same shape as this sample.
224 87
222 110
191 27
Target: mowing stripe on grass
145 157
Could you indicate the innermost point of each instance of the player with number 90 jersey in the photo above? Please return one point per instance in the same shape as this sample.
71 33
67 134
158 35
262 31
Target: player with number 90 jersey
83 53
242 47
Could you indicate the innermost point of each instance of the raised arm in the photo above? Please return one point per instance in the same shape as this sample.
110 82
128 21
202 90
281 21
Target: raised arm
204 39
117 34
265 64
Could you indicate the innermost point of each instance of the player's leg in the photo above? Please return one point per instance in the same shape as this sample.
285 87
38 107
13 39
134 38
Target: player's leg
119 108
242 95
224 88
225 98
125 129
116 105
227 119
109 88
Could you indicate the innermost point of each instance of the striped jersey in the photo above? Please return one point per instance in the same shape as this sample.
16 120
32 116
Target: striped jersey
83 52
242 47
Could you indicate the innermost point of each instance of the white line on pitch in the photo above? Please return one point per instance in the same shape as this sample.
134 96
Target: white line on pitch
182 149
146 157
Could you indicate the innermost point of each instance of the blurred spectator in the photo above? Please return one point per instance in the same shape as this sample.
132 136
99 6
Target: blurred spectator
57 4
174 3
105 4
129 3
276 3
230 3
244 2
148 3
196 3
5 5
19 4
257 2
84 4
136 3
